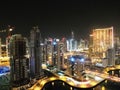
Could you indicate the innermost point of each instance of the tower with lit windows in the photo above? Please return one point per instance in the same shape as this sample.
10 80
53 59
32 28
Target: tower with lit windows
55 52
61 51
72 43
0 48
48 50
19 73
103 39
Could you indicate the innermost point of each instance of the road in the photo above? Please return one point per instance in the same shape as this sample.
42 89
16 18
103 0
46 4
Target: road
69 80
104 75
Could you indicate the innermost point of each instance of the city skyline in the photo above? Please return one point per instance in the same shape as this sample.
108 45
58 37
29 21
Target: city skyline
74 63
59 18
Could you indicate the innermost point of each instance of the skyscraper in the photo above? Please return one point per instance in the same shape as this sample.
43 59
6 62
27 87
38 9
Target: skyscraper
35 53
19 74
61 51
103 39
54 52
72 43
0 48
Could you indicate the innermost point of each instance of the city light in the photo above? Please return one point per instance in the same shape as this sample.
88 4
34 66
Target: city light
4 69
54 43
82 60
10 29
37 88
72 64
72 59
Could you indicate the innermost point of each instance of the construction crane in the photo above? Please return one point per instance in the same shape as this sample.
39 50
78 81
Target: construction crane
8 30
5 40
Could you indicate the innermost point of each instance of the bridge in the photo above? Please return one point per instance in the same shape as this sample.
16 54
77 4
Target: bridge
95 78
69 80
104 76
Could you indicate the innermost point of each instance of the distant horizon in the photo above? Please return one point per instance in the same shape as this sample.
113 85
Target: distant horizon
77 37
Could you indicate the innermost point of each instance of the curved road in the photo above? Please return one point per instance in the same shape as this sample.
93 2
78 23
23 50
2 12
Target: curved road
72 82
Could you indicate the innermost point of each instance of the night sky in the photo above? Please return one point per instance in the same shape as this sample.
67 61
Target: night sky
58 18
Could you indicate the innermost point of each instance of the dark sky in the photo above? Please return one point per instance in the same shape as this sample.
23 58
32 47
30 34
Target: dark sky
58 18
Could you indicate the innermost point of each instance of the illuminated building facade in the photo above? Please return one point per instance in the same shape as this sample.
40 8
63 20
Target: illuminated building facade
3 50
0 48
111 57
82 45
117 50
55 52
61 51
48 50
19 74
103 39
72 43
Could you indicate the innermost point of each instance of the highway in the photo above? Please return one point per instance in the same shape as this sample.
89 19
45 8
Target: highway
104 75
93 79
69 80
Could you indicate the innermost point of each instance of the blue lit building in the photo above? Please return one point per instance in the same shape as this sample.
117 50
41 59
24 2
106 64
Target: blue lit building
72 43
35 54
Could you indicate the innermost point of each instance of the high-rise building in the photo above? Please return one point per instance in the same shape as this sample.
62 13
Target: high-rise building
83 45
111 57
19 73
103 39
0 48
72 43
65 43
35 53
54 52
48 51
61 51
